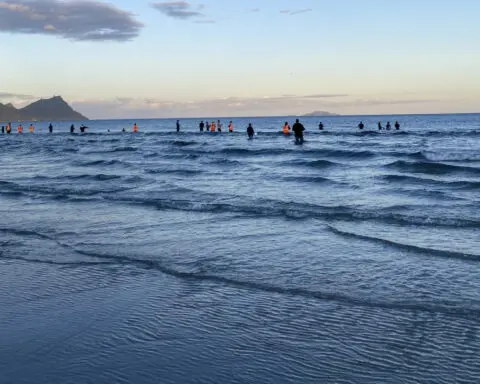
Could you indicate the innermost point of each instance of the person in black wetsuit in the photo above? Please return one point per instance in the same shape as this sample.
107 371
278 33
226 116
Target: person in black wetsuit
320 126
380 126
208 126
250 131
397 125
3 129
50 128
219 126
178 125
72 128
298 128
83 128
389 126
202 126
361 125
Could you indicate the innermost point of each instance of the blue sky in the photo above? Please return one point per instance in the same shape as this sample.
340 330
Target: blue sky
225 58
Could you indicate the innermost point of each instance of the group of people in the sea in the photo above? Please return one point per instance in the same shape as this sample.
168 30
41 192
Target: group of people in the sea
7 129
298 128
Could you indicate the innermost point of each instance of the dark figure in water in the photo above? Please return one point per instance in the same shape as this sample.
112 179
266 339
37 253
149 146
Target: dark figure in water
3 129
72 128
202 126
124 130
9 128
298 128
397 125
250 131
219 126
83 128
380 126
361 125
50 128
178 125
320 126
389 126
208 126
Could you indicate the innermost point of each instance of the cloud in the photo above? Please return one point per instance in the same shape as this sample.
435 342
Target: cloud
16 96
254 10
295 11
73 20
179 9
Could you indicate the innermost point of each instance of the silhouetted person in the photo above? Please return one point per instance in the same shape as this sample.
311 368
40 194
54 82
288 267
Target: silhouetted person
50 128
124 130
389 126
380 126
3 129
361 125
72 128
320 126
178 125
83 128
298 128
397 125
202 126
208 126
219 126
250 131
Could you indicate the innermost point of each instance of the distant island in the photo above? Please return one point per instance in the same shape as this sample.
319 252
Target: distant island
54 109
320 113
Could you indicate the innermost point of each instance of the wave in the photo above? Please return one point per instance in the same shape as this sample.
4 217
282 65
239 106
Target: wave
446 308
84 177
431 168
407 247
181 172
314 163
464 156
460 184
182 143
299 211
309 179
104 163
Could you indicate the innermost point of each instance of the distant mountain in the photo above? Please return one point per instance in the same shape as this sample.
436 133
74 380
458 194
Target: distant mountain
54 109
320 113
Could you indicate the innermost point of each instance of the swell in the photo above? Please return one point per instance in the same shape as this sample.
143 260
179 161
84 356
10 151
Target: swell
431 167
407 247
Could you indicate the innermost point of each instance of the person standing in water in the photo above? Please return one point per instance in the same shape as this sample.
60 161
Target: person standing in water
135 128
397 125
212 127
389 126
3 129
178 125
208 126
30 128
219 126
230 126
298 128
286 129
9 128
320 126
250 131
201 126
20 129
361 125
72 128
380 126
50 128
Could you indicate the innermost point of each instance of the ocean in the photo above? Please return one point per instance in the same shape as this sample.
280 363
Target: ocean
160 257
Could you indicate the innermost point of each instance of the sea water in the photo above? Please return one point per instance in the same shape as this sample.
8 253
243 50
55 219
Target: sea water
160 257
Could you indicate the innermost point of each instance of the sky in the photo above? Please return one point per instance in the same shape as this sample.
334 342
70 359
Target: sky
135 58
